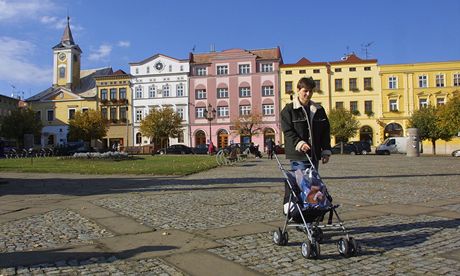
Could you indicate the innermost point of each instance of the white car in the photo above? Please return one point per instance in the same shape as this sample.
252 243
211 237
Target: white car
456 153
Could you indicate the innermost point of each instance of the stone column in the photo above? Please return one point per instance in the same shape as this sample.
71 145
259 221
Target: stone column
413 143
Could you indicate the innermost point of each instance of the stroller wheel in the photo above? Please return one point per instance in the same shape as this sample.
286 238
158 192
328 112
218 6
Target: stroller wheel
316 251
306 249
353 246
343 247
278 237
318 234
285 238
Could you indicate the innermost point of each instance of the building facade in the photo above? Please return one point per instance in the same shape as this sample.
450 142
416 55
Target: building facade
234 83
114 101
409 87
160 81
8 104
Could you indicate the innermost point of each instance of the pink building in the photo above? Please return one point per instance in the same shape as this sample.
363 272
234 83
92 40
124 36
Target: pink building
234 82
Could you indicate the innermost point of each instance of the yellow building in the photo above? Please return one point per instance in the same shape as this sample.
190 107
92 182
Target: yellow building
408 87
351 83
114 95
72 90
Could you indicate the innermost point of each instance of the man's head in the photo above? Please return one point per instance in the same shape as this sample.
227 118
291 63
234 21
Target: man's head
305 88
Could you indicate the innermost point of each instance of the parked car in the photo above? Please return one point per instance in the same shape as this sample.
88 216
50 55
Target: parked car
392 145
348 148
456 153
202 149
362 147
175 149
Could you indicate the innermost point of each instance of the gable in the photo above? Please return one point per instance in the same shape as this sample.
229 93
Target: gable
61 95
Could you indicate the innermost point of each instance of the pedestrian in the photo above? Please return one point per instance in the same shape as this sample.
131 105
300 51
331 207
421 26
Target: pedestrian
306 128
270 148
210 148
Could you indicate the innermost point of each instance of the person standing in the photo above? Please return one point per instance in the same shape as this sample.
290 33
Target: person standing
270 148
306 128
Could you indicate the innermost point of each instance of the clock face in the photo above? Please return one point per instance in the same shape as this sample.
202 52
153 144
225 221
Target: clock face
159 66
62 57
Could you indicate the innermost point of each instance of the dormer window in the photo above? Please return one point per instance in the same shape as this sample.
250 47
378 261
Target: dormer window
62 72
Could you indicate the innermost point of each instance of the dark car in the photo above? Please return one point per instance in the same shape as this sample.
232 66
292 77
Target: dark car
175 149
362 147
348 148
202 149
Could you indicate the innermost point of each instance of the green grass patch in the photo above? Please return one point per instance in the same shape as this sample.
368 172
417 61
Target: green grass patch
147 165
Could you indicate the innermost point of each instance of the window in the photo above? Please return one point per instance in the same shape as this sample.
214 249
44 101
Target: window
338 85
368 107
268 109
123 113
316 71
352 69
170 68
222 69
245 92
201 71
456 79
84 109
317 85
268 91
152 91
113 113
166 91
103 94
122 93
148 70
422 102
139 113
245 110
138 138
440 101
50 115
71 113
61 72
138 92
393 105
353 85
288 87
440 80
367 68
180 90
338 70
137 70
422 81
244 69
392 83
288 72
104 113
180 137
353 107
38 115
200 94
180 111
222 93
367 83
266 67
338 105
302 71
222 111
199 112
181 68
113 93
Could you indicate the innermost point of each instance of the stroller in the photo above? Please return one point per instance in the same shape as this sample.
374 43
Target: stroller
306 202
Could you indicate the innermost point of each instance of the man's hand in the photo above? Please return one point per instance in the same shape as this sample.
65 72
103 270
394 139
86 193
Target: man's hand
325 159
305 147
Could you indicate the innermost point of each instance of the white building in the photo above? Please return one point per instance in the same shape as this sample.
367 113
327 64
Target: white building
160 81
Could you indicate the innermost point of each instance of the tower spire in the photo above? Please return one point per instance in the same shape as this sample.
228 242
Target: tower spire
67 38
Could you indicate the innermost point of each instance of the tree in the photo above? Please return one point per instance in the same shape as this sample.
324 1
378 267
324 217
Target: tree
21 121
87 126
161 124
343 125
429 125
248 125
449 116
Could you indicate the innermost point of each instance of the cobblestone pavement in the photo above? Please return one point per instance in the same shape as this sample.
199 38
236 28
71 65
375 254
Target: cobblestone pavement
405 213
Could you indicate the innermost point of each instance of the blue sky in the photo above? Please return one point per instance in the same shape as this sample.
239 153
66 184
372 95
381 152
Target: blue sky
114 33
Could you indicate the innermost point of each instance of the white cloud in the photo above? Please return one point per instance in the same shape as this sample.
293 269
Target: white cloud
16 10
124 43
101 53
15 66
59 24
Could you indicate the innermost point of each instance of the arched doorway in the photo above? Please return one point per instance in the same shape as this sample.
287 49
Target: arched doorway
269 133
365 134
222 138
138 138
51 140
200 138
393 130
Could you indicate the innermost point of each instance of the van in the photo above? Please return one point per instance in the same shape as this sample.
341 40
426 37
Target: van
393 145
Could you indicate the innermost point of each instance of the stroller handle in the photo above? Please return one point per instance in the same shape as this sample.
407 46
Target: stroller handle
282 168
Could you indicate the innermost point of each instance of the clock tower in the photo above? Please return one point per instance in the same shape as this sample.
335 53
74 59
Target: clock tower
66 61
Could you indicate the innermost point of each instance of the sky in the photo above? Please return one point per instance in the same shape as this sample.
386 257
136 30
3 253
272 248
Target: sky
117 32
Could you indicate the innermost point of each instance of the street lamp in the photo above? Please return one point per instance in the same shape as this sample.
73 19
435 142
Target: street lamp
210 114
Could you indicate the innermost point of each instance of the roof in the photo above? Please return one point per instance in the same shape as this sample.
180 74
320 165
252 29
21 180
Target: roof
67 41
154 57
303 62
352 59
260 54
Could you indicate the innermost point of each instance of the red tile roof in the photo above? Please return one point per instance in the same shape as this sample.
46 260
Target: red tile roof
304 62
353 59
264 54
